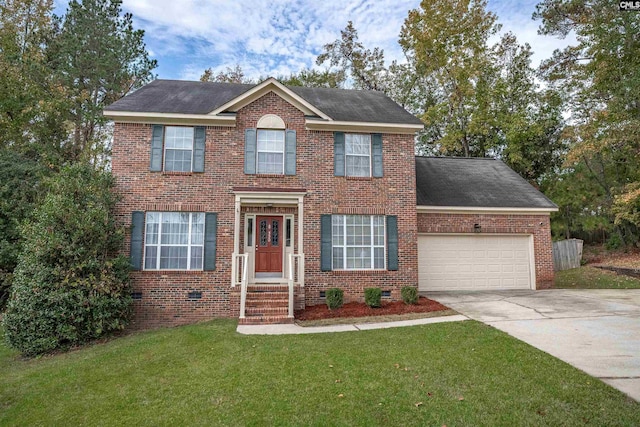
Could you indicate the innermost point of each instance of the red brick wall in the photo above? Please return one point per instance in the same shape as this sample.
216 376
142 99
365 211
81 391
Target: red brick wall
536 225
164 294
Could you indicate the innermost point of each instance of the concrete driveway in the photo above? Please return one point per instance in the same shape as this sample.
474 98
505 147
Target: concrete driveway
597 331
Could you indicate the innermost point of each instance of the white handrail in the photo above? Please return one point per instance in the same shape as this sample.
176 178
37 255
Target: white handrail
240 260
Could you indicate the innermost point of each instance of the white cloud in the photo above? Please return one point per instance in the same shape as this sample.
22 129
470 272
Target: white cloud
277 37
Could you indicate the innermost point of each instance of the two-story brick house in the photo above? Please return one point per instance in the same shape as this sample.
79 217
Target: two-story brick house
245 200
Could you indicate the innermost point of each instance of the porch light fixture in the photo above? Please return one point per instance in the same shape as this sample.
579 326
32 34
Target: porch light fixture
477 228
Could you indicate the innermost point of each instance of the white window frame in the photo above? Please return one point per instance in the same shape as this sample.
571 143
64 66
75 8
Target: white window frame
347 136
258 151
164 148
158 245
372 245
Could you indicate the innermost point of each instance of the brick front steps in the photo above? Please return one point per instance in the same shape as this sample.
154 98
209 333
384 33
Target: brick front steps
266 304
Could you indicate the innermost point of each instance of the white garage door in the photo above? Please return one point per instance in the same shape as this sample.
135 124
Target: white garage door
473 262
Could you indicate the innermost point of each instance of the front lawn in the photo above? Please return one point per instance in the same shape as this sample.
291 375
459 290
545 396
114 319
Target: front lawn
588 277
455 374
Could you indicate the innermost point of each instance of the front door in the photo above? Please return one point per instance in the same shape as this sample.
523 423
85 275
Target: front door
269 244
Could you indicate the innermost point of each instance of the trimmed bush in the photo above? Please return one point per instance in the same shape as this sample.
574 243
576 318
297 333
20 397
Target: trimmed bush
373 297
69 287
335 298
409 295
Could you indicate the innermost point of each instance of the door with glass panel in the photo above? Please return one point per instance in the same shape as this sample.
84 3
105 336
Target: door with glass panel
268 244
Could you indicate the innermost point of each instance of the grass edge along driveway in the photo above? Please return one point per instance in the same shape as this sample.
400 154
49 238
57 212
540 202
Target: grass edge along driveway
457 374
589 277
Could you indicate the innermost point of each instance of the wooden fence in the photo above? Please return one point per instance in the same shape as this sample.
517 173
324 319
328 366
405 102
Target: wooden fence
567 254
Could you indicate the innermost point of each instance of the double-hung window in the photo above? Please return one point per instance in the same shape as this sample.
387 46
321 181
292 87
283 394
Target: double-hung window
358 242
178 148
270 152
357 155
174 241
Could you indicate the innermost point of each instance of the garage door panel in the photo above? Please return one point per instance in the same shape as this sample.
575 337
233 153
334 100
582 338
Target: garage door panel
473 262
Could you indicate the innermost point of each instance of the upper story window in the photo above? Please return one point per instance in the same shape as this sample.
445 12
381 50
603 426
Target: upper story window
270 149
270 159
178 149
357 155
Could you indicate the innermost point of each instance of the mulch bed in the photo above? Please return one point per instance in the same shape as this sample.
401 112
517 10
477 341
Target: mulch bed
360 309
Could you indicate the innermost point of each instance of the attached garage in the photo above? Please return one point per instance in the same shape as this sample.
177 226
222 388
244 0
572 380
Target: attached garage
481 226
474 262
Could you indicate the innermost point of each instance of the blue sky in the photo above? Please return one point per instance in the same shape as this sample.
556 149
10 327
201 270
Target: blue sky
278 37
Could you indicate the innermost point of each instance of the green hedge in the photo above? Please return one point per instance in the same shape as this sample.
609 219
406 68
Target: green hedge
69 286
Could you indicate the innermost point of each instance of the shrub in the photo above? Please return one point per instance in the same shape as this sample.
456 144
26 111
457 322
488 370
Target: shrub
409 295
373 297
334 297
69 287
614 242
20 179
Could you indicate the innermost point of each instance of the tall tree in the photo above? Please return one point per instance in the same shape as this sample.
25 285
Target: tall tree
315 78
600 83
476 99
230 75
447 42
363 66
98 57
32 106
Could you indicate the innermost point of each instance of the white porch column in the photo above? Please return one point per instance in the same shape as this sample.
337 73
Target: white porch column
236 228
301 239
236 241
300 225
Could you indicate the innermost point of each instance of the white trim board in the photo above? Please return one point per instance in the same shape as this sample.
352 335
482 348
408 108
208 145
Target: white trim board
485 211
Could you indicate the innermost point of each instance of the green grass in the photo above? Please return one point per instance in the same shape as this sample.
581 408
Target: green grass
463 373
588 277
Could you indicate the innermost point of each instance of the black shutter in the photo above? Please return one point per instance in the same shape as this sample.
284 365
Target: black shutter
156 148
199 142
326 244
376 148
290 153
392 243
210 240
338 153
137 240
250 147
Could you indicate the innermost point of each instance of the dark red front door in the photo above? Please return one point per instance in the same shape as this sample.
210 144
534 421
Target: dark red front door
269 244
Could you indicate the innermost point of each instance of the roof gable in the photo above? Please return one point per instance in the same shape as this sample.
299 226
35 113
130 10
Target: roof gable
270 85
474 183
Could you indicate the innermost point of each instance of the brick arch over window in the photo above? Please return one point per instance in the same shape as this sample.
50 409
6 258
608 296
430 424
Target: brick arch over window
270 121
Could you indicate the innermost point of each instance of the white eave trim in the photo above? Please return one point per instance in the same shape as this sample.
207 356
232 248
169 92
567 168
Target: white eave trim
170 118
270 85
275 197
481 210
334 125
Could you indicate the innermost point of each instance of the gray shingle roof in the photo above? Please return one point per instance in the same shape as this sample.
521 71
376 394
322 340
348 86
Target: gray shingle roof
187 97
356 105
179 96
474 182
